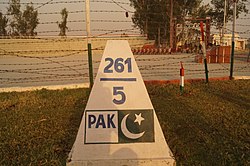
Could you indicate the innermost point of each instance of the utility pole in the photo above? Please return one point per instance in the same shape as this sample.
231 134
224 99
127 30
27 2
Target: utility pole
159 35
224 23
222 42
87 6
146 26
204 50
233 44
171 25
145 6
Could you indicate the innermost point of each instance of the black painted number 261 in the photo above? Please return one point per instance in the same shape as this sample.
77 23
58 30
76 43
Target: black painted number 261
118 65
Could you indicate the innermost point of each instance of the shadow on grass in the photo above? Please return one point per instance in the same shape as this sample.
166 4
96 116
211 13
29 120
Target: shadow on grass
41 128
197 129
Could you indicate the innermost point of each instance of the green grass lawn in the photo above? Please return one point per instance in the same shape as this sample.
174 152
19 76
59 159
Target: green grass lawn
208 125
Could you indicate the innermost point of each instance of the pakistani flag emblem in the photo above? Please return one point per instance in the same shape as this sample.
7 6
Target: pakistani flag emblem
136 126
119 126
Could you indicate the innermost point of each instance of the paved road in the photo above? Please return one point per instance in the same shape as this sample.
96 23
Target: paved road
19 71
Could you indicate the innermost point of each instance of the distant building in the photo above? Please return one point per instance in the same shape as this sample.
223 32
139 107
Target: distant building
240 43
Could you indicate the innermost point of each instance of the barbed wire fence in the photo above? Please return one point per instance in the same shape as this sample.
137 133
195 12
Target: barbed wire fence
49 59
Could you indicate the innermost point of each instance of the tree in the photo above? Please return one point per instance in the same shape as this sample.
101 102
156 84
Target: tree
191 9
22 23
63 25
185 8
15 11
3 25
29 21
152 17
217 12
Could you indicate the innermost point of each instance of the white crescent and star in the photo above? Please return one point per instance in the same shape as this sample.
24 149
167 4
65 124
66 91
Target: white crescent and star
125 130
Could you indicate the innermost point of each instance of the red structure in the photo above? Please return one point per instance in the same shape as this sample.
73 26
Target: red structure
216 54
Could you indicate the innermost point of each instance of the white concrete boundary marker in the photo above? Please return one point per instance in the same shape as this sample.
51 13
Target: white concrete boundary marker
119 126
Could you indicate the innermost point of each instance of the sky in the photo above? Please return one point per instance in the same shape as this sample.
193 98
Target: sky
107 16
